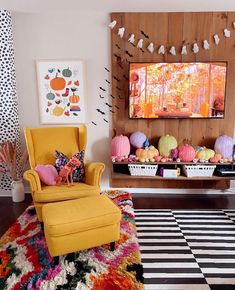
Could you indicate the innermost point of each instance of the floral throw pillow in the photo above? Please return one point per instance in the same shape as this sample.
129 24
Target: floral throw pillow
61 160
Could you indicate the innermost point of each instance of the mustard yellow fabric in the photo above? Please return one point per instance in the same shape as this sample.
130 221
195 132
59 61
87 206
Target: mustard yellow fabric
62 245
79 215
41 145
80 224
63 192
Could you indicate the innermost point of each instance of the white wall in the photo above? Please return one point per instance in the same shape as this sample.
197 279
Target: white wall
82 36
70 35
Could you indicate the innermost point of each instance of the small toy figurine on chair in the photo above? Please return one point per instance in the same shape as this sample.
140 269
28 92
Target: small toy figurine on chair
66 172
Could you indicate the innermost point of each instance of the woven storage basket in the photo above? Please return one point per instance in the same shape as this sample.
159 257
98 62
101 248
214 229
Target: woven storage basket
199 170
142 169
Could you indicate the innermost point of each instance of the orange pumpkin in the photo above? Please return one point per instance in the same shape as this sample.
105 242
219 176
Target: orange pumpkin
141 153
216 158
58 83
74 99
147 153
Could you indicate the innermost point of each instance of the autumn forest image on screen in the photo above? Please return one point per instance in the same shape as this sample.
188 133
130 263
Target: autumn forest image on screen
177 90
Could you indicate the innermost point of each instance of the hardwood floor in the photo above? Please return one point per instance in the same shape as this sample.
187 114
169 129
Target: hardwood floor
9 211
185 201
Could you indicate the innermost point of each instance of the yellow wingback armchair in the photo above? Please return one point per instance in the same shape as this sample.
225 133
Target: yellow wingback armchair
41 144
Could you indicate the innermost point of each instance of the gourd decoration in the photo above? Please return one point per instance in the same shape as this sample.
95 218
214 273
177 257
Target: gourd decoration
67 73
146 154
50 96
216 158
186 153
146 143
224 146
166 144
120 146
174 153
137 139
57 83
204 153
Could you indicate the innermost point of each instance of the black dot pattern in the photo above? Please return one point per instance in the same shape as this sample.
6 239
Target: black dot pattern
9 120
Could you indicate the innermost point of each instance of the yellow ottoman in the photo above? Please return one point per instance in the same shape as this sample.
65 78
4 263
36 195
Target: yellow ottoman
74 225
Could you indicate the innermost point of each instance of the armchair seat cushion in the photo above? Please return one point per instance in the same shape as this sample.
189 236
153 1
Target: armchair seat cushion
63 192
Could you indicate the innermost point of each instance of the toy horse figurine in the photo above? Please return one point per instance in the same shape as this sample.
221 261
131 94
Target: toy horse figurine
66 172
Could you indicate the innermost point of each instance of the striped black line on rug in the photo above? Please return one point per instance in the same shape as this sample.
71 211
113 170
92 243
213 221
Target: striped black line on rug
187 250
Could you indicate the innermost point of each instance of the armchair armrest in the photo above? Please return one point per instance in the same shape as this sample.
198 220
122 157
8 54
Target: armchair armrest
93 172
33 178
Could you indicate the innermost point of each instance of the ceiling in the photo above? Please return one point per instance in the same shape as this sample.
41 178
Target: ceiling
45 6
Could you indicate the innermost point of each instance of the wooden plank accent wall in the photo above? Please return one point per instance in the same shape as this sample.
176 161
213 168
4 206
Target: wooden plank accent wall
172 29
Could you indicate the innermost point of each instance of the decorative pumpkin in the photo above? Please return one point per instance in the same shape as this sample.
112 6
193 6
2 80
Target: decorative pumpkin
158 158
205 153
50 96
164 160
137 139
67 73
174 153
141 153
147 153
186 153
216 158
153 152
120 146
166 144
74 98
224 146
58 83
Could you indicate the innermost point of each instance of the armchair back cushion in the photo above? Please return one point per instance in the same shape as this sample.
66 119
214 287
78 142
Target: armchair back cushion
42 143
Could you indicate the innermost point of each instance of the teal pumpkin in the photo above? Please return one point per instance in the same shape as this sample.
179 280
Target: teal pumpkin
50 96
67 73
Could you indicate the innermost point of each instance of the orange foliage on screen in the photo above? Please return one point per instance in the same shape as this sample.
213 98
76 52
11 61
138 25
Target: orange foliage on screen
177 90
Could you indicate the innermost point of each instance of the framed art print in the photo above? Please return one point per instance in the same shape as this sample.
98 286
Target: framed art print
61 91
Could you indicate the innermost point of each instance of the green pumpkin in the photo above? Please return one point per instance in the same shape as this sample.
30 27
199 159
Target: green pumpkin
50 96
67 73
166 144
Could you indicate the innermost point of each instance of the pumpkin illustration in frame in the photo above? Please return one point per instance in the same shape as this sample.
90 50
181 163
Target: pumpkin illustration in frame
61 82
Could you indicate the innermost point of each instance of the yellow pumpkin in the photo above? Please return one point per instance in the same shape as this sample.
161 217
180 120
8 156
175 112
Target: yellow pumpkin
205 154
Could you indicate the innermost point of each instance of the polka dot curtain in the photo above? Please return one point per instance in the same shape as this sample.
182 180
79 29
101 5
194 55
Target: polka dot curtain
9 121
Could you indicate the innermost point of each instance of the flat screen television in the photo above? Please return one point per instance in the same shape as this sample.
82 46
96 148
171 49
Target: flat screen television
177 90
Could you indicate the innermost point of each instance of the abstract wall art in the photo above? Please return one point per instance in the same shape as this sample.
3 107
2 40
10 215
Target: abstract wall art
61 91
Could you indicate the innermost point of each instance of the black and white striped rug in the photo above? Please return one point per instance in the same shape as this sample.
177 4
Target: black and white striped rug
187 249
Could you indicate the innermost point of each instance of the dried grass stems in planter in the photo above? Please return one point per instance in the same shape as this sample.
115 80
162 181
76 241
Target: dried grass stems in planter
9 160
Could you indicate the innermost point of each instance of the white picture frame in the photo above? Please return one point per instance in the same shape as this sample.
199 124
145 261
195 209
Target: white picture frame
61 91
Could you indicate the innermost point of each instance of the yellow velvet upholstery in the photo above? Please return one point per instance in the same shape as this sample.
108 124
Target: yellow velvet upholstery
80 224
41 144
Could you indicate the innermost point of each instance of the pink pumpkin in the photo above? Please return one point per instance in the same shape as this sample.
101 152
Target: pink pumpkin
120 146
186 153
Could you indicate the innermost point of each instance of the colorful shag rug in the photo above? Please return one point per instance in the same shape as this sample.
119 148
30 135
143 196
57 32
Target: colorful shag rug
26 264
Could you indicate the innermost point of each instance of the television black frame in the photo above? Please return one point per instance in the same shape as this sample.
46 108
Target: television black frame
179 118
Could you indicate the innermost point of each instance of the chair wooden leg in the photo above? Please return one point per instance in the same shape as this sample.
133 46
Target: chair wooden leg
112 246
56 260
